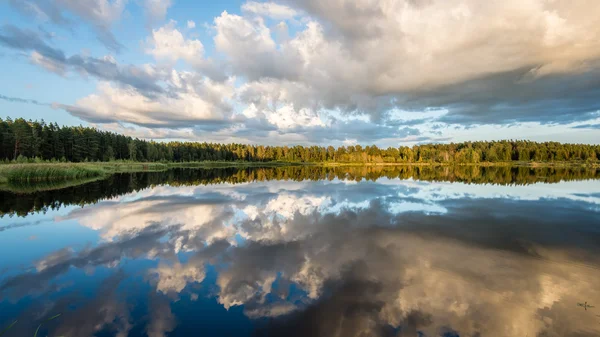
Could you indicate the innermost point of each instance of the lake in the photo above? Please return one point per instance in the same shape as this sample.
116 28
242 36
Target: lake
306 251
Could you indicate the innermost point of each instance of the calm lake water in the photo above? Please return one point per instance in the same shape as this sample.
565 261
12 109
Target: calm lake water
301 251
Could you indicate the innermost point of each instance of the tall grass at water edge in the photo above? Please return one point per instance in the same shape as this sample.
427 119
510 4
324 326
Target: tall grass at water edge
54 172
34 173
5 330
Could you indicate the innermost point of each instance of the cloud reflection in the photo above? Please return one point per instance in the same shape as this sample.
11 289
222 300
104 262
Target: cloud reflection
385 258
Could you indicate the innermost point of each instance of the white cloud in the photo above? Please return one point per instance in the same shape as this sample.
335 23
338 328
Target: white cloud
251 51
286 205
285 117
149 132
135 212
168 43
284 68
274 102
195 101
372 56
172 279
269 9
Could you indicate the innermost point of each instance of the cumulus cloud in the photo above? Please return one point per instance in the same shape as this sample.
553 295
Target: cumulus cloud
190 102
281 69
372 56
285 117
250 49
168 43
290 109
269 9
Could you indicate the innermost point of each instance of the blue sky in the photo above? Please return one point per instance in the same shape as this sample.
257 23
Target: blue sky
390 73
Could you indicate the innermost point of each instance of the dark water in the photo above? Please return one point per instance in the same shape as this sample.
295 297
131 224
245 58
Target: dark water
303 251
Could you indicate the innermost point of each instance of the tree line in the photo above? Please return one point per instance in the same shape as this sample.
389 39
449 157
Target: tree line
124 183
23 140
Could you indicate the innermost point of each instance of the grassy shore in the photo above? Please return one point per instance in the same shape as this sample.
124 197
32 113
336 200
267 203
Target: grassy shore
37 173
56 172
44 173
60 172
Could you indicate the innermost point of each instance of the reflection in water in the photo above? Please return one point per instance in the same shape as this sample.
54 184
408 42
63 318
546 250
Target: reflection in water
311 256
119 184
585 305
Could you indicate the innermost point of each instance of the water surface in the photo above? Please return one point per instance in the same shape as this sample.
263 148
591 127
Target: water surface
307 251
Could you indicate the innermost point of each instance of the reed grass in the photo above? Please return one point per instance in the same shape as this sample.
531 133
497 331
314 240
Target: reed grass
40 173
48 320
5 330
58 172
122 167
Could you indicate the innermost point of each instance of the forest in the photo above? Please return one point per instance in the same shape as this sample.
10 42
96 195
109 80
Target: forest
27 141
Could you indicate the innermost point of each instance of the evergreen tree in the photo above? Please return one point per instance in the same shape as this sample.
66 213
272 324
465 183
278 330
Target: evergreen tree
27 139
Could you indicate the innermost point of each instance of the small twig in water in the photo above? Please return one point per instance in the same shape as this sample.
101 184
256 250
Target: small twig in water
7 328
48 320
585 306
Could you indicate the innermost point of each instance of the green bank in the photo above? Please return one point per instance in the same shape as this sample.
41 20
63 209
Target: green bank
59 173
56 172
40 176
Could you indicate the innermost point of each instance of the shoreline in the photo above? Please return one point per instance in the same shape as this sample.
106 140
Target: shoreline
482 164
69 174
33 173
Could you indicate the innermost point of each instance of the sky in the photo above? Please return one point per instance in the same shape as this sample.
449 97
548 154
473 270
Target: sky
308 72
